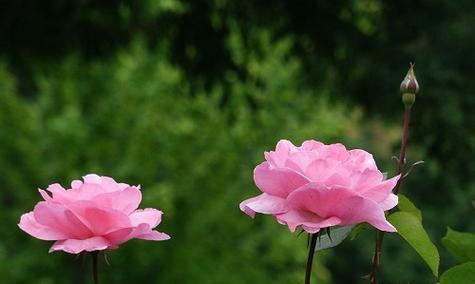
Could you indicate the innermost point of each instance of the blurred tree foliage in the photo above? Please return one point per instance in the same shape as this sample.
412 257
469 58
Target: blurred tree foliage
184 96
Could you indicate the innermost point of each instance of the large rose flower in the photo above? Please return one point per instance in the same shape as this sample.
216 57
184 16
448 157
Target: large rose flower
96 214
317 186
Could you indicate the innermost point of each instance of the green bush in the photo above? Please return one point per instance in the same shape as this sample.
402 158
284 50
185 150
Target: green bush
135 118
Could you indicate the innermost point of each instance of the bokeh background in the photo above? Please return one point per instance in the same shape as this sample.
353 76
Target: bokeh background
183 97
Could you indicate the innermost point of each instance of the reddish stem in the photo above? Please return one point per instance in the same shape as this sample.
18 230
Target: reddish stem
402 161
402 152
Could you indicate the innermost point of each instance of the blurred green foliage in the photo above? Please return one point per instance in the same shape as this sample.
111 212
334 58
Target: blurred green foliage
462 246
183 97
134 117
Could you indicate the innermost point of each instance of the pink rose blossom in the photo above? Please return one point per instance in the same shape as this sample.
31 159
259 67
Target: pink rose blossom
317 186
96 214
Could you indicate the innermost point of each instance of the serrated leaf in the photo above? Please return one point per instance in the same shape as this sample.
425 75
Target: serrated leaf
410 229
357 230
336 237
460 274
460 244
406 205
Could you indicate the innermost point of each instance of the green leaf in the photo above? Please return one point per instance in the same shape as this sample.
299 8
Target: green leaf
406 205
460 274
460 244
410 228
357 230
336 237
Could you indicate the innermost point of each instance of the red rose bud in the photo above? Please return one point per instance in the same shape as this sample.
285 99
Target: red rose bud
409 87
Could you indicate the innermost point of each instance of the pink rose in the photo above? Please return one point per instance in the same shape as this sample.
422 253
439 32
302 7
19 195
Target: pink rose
317 186
96 214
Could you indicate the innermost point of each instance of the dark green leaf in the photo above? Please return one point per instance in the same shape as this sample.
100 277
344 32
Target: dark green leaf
460 244
357 230
410 228
406 205
460 274
334 238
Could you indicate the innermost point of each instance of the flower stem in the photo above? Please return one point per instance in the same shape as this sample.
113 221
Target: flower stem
376 257
311 253
402 152
95 273
401 164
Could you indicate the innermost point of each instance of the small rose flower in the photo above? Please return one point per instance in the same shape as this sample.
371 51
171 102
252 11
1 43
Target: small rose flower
317 186
93 215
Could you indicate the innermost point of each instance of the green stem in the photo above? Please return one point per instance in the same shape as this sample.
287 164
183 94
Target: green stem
311 253
95 273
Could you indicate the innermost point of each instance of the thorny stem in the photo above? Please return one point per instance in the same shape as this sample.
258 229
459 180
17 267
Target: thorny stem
311 253
376 257
402 152
95 273
401 164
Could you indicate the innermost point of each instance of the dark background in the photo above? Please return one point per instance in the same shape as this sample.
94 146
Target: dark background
183 97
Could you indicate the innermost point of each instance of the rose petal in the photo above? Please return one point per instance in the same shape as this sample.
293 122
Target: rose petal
76 246
100 221
360 159
92 178
339 202
356 209
29 224
125 201
311 145
366 179
278 157
318 198
120 236
310 222
154 236
87 191
142 231
327 171
57 217
45 195
109 184
264 203
389 203
149 216
59 193
336 151
379 192
243 206
76 184
278 182
300 161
